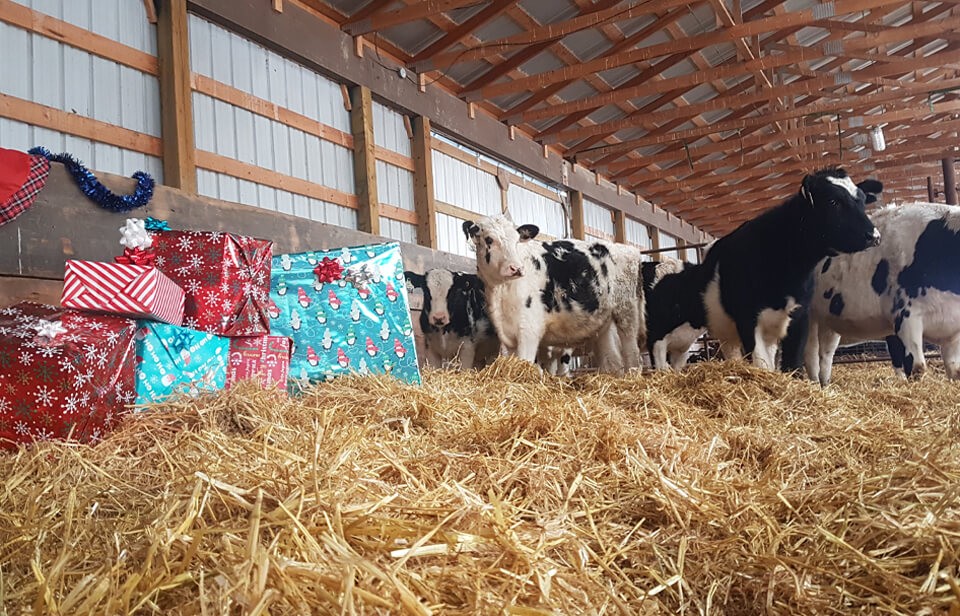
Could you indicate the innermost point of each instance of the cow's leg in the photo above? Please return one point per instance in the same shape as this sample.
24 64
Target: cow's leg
563 365
432 357
827 343
628 328
468 351
607 350
659 355
951 357
895 349
792 348
911 336
811 352
749 339
679 343
528 343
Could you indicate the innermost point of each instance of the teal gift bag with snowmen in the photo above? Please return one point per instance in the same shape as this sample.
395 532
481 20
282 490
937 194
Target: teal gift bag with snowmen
347 312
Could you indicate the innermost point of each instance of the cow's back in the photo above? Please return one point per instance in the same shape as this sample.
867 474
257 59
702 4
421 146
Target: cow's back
859 296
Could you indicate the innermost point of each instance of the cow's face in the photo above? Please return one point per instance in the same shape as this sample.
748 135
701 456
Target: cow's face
497 242
439 286
838 206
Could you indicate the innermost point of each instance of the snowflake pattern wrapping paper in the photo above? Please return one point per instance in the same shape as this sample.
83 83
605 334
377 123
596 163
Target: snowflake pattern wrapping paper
346 326
73 380
177 360
226 278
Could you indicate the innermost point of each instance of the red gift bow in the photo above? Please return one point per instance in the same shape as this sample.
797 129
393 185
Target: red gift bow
328 270
136 256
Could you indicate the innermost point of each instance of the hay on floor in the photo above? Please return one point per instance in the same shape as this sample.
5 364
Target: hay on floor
723 490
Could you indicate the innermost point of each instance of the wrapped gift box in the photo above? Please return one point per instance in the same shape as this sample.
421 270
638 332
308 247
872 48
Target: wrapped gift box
138 291
177 360
266 358
62 373
226 278
357 321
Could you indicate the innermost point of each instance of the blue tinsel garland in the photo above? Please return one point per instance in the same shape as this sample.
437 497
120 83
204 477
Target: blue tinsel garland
97 192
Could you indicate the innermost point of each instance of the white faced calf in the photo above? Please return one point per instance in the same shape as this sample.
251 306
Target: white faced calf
905 291
558 293
454 319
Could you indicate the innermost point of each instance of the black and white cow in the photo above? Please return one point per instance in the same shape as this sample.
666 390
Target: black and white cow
675 313
763 270
558 293
906 291
454 319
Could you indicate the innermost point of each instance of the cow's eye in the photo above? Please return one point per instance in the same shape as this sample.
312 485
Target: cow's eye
834 202
488 240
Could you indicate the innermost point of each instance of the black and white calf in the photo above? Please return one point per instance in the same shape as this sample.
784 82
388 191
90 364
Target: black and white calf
454 319
674 308
558 293
760 272
906 291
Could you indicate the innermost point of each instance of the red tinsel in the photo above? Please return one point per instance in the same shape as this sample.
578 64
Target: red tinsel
328 270
136 256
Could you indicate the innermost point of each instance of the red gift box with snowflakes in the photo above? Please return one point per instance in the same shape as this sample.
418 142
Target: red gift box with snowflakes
226 278
63 373
265 358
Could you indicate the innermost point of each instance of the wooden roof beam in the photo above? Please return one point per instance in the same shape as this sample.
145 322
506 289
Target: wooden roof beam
727 71
380 20
892 135
856 107
800 87
457 34
760 26
520 57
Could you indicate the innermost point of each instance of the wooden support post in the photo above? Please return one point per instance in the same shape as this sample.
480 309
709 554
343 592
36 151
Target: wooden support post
619 227
930 194
949 181
654 234
364 162
176 108
423 197
577 227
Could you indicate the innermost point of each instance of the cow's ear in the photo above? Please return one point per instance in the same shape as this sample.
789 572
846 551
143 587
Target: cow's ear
471 229
806 188
415 281
871 188
461 280
528 232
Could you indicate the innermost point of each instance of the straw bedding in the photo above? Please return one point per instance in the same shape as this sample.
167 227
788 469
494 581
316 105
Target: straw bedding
723 490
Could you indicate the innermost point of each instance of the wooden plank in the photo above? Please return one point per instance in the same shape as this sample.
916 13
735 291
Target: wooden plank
38 243
364 162
393 158
759 26
460 32
268 177
15 289
33 113
176 105
398 213
577 226
50 27
423 195
267 109
406 14
771 96
619 227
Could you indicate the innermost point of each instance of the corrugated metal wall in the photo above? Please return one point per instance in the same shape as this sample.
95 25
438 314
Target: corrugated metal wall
527 206
394 184
668 241
598 218
39 69
638 234
239 134
465 186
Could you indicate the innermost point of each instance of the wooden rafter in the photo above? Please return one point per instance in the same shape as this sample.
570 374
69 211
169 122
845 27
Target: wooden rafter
381 20
457 34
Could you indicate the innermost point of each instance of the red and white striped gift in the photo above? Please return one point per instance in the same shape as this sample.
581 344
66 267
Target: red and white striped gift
131 290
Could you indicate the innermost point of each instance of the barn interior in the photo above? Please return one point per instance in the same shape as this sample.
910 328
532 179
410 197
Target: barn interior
662 124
